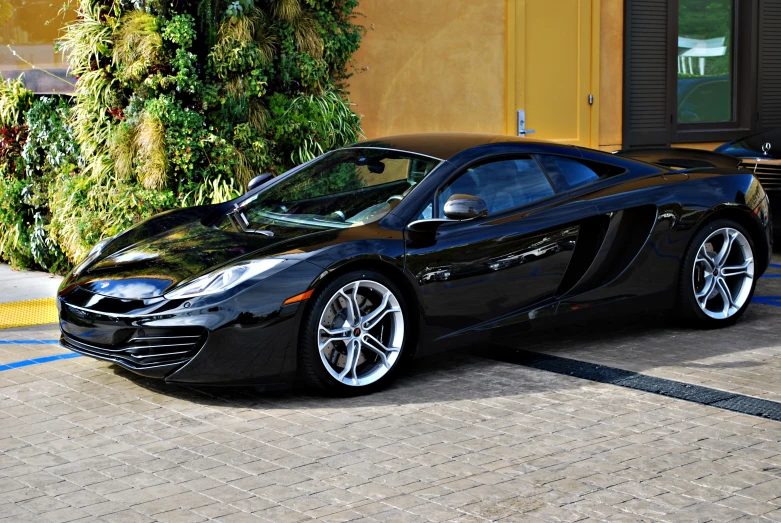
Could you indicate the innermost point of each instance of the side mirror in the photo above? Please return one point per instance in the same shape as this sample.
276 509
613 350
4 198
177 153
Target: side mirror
259 180
465 207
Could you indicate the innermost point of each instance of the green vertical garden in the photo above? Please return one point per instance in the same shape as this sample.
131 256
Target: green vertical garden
177 104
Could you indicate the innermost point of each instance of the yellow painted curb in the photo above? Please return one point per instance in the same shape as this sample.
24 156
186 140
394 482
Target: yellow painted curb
28 312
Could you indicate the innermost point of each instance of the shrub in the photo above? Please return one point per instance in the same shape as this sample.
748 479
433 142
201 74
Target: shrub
49 153
40 149
15 220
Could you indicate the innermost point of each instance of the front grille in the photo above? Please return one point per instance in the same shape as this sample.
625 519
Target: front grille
768 172
144 348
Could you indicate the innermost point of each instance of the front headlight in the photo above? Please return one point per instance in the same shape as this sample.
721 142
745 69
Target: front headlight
92 255
223 279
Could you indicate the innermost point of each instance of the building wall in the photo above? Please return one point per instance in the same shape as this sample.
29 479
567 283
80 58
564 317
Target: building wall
30 28
441 65
611 73
431 65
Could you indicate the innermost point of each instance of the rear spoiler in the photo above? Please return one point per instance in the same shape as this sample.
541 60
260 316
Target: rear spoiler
681 158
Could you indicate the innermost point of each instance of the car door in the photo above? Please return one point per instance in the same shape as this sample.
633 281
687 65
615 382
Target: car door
476 272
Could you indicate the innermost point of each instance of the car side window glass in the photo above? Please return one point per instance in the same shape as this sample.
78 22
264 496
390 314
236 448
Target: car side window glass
503 184
568 173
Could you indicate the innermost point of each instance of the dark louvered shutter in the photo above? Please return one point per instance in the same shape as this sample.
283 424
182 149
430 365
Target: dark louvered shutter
770 64
647 60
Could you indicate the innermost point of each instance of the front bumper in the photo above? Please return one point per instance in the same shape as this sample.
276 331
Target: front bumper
153 353
243 341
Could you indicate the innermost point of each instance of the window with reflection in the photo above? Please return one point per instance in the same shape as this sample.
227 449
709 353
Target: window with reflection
345 188
705 58
568 173
503 184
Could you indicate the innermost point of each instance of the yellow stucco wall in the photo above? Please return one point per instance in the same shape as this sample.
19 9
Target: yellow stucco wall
441 65
432 65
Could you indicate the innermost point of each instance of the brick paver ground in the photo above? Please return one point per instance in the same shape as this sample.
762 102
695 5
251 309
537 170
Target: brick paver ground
460 438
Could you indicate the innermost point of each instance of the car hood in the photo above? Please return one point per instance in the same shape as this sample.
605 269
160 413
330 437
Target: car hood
150 267
751 146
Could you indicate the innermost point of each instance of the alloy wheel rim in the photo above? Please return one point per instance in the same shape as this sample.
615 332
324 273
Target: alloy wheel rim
361 332
723 273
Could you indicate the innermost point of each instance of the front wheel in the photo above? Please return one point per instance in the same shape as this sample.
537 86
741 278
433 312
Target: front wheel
354 334
717 275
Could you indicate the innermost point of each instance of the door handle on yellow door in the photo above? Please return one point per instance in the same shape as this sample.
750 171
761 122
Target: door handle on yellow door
522 130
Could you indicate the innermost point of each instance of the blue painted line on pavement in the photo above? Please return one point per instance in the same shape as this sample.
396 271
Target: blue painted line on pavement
767 300
29 342
771 276
776 265
36 361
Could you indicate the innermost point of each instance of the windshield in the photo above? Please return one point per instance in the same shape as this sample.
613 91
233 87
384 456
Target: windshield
345 188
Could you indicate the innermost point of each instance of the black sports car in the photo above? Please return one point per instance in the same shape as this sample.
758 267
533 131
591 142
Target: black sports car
343 268
761 153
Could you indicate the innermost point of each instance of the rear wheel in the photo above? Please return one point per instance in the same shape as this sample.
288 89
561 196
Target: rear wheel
354 334
717 275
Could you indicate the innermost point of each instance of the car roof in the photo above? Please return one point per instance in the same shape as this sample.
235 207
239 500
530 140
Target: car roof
440 145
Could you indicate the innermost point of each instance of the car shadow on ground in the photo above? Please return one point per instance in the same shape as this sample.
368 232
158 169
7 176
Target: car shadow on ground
448 376
643 343
635 344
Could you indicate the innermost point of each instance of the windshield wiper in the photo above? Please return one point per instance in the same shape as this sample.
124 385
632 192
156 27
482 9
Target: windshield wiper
241 223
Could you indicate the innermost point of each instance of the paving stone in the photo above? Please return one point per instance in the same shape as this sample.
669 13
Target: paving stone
179 516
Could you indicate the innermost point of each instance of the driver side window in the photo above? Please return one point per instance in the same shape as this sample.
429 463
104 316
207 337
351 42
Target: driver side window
503 184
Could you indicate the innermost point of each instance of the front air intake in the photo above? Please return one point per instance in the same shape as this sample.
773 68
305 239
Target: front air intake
145 348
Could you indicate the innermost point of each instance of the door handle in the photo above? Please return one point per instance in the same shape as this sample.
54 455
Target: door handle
522 130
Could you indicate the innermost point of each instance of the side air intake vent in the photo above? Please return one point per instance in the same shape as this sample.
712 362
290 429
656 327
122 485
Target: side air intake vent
626 234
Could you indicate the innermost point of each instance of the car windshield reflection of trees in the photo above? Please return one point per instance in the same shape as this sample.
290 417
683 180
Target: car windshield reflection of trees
347 188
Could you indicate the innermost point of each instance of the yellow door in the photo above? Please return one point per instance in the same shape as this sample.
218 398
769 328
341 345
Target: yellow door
550 69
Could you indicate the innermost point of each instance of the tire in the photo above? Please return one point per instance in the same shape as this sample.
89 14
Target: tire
708 296
374 355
